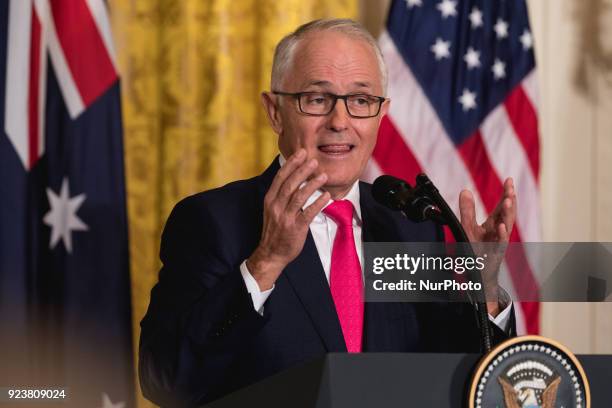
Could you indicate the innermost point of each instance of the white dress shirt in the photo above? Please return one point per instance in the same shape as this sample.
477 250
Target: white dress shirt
323 230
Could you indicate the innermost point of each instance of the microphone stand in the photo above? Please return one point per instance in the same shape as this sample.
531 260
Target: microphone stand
435 208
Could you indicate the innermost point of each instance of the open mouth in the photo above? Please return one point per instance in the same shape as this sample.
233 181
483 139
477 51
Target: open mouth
336 149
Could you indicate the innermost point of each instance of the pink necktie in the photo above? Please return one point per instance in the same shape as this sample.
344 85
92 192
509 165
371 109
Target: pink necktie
345 275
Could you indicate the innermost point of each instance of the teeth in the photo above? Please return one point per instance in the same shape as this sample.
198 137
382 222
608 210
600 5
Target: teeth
335 148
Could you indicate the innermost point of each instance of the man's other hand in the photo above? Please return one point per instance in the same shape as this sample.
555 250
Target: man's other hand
496 229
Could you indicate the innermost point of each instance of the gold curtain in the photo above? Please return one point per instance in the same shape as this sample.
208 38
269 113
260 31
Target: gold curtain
191 74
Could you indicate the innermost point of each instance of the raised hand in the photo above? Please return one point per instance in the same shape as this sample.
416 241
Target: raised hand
496 229
498 225
285 224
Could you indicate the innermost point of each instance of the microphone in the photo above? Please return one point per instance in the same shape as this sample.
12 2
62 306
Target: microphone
397 194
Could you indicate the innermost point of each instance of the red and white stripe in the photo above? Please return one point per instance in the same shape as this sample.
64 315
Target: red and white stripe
412 140
76 34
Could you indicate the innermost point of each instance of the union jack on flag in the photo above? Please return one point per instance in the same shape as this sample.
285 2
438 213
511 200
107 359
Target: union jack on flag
64 278
464 110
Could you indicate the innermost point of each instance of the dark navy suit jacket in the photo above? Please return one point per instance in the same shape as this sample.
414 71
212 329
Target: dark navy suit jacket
201 337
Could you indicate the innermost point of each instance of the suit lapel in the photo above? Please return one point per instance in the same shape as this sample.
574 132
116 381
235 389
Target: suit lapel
307 277
382 330
374 228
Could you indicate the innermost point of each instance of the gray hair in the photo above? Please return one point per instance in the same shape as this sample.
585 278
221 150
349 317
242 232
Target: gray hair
283 54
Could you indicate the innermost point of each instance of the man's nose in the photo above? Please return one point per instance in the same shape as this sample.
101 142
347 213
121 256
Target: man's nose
338 118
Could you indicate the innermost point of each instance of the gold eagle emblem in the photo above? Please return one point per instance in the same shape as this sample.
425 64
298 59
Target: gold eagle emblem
527 397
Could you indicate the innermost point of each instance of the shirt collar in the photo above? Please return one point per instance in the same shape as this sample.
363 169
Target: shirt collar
353 195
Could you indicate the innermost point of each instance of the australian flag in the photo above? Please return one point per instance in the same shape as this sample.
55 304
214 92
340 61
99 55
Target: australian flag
64 279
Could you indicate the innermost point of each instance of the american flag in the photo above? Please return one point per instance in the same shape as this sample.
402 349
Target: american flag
64 278
464 110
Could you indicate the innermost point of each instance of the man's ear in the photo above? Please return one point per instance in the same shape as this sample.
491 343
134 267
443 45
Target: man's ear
384 109
272 110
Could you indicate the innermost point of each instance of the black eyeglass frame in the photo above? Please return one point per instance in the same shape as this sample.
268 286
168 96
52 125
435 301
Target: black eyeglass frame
298 96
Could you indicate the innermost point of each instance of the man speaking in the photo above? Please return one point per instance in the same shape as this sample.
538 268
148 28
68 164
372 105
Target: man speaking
266 273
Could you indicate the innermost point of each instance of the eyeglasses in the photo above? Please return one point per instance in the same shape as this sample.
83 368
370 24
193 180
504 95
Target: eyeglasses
323 103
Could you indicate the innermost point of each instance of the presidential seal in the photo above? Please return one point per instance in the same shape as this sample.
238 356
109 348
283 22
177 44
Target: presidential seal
529 372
